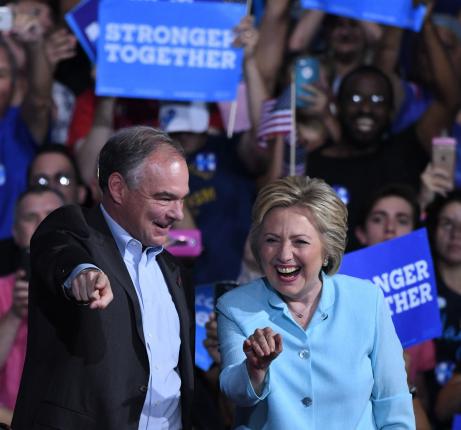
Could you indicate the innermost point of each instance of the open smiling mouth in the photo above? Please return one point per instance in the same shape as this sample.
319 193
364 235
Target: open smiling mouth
364 124
162 226
288 272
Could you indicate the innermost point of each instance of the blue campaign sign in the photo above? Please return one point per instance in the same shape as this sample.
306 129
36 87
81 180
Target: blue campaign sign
83 21
204 305
403 269
399 13
166 50
456 422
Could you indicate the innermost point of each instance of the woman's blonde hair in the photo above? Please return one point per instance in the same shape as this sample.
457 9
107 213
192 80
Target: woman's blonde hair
327 212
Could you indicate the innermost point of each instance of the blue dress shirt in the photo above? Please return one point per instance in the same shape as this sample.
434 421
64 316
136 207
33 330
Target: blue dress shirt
345 371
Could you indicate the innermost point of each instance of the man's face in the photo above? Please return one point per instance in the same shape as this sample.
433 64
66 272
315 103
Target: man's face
32 210
56 171
390 217
346 38
365 110
149 209
6 82
448 234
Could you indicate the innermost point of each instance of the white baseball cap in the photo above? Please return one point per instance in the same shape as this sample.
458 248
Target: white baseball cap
184 117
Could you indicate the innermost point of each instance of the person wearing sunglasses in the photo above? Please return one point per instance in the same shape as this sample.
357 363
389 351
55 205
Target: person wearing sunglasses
55 167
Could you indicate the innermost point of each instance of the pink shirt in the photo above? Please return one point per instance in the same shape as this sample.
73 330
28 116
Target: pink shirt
10 373
422 358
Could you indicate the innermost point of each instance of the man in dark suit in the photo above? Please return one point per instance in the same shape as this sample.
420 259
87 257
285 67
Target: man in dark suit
110 331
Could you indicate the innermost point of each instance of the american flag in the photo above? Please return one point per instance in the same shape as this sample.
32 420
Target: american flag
276 118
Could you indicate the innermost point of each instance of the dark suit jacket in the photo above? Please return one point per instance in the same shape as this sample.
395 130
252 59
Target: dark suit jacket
88 369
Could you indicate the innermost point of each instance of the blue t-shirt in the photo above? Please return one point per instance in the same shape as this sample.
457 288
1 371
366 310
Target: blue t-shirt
221 196
17 149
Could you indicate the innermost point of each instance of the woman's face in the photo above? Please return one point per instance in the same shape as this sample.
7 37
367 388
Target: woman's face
390 217
291 251
448 234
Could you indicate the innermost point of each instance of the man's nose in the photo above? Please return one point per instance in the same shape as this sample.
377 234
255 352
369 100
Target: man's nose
177 210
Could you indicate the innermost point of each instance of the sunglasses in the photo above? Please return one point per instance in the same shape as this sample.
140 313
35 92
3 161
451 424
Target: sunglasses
62 179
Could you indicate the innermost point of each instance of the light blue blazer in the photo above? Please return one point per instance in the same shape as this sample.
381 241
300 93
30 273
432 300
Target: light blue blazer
344 372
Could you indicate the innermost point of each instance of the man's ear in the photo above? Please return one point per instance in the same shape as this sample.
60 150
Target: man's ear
361 236
117 187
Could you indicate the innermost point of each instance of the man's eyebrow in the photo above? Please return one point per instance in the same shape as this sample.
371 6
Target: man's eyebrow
165 194
168 195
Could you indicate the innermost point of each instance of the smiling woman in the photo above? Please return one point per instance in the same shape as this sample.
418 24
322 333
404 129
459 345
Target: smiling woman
319 349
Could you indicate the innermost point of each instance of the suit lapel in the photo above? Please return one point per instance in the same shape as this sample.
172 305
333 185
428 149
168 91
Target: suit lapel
173 280
112 259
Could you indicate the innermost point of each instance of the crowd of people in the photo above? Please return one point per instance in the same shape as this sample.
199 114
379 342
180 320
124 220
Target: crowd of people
92 186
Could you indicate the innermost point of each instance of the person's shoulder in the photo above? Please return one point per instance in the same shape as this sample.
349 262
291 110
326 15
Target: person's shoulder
73 211
245 296
67 217
344 281
12 113
355 288
358 297
401 141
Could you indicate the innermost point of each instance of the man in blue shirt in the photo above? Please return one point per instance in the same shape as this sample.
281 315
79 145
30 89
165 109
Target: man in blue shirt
110 334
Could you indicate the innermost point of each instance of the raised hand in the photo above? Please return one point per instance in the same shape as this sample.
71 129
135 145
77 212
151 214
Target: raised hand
92 287
60 45
246 35
211 341
261 348
434 180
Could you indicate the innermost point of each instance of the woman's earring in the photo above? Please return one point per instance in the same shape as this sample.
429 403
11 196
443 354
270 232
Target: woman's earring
325 262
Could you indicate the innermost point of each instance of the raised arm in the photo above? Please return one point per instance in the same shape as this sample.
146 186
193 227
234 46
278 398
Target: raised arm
386 57
254 157
305 30
88 151
257 91
272 40
36 107
440 114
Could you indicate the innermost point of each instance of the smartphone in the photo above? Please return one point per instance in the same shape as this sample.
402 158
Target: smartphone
185 243
307 71
6 18
222 287
444 155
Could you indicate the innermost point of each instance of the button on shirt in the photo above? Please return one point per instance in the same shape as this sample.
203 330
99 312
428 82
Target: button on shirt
160 322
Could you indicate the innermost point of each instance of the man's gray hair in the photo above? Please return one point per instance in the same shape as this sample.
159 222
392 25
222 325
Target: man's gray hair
126 150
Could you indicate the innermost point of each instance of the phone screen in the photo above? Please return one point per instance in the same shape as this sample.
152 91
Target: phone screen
444 154
6 18
306 72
